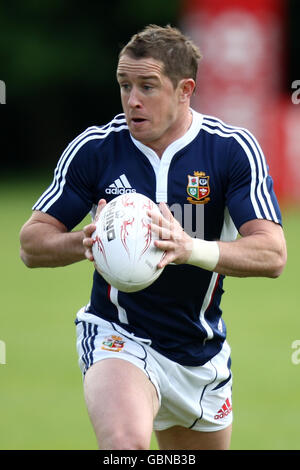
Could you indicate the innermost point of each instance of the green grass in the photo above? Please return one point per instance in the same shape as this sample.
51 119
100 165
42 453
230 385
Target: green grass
41 400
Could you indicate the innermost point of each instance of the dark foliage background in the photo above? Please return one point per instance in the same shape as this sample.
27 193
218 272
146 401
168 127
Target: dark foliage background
58 60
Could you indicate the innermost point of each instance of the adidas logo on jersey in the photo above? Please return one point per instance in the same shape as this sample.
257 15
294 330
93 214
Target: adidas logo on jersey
120 186
224 411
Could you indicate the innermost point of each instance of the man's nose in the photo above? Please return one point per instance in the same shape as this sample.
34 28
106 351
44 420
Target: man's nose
134 100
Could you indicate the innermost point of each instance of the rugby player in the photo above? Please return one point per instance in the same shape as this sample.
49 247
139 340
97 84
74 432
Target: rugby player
158 359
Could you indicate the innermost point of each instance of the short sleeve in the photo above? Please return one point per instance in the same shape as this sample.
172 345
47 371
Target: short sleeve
70 196
250 193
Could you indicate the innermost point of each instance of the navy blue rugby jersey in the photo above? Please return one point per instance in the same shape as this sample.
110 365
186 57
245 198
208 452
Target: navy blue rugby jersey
214 179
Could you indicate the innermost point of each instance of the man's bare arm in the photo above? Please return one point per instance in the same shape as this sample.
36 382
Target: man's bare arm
261 250
46 242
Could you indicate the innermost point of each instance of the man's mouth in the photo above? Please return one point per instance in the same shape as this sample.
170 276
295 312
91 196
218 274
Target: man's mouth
137 120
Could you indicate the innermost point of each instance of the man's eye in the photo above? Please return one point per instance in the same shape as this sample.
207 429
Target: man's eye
147 87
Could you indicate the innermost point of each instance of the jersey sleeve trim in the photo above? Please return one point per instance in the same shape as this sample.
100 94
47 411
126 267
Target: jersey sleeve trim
259 194
54 191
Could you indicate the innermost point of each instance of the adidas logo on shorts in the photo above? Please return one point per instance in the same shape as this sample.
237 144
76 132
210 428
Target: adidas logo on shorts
224 411
120 186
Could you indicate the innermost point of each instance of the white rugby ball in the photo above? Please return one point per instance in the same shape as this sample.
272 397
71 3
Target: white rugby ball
124 251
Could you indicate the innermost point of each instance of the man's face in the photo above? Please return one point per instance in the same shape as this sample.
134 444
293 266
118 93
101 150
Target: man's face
150 102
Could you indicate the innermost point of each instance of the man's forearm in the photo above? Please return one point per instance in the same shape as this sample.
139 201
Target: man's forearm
256 255
44 247
251 256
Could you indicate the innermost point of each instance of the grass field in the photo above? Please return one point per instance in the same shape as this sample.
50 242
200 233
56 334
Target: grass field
41 400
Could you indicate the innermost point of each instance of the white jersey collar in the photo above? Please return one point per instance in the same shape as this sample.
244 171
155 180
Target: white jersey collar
178 144
161 165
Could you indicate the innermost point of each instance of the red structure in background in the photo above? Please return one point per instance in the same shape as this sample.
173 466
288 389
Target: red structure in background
241 78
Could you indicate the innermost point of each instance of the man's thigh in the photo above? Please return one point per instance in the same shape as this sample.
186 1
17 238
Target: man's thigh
178 438
122 403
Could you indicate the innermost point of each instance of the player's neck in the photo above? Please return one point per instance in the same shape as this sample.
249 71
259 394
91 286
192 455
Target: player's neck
179 129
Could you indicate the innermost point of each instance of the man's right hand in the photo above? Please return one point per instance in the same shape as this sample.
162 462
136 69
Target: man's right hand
88 230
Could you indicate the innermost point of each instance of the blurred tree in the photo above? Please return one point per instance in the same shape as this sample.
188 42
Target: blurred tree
58 60
54 42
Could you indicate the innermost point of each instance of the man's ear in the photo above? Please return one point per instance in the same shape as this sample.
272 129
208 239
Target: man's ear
186 87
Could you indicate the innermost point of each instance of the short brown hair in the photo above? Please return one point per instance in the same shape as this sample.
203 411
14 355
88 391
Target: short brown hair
178 53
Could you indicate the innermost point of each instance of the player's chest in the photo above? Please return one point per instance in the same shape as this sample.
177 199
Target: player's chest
190 187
